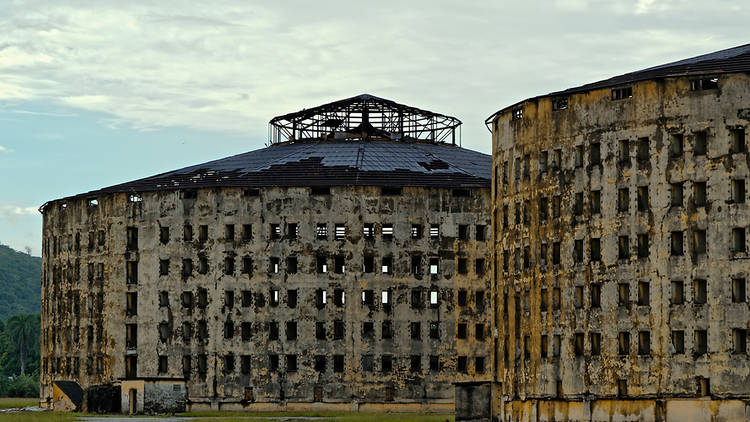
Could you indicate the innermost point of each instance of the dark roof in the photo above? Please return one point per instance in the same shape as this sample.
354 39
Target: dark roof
72 390
363 117
731 60
339 163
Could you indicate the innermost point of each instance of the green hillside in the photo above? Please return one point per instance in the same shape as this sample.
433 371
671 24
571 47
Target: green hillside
20 283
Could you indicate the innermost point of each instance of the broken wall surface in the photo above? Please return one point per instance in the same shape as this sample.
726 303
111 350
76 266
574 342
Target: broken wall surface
273 295
620 254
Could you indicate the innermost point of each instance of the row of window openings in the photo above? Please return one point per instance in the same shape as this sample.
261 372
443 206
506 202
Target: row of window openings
737 196
200 331
71 366
97 238
700 343
319 363
321 232
248 298
676 150
677 248
616 94
321 265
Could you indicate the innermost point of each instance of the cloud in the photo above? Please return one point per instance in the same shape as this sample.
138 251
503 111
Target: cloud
14 211
3 149
232 67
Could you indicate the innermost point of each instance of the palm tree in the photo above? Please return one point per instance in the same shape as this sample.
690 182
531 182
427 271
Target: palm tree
22 331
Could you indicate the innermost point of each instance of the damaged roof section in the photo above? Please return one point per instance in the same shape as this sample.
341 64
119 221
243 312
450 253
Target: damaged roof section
363 117
329 163
731 60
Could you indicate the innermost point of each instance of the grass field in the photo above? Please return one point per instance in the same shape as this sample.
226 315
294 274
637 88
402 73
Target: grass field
237 416
8 402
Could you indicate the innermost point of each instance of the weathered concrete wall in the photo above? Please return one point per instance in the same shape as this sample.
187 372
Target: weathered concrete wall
573 285
194 337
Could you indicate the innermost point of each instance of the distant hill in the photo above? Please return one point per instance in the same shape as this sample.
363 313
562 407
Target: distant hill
20 283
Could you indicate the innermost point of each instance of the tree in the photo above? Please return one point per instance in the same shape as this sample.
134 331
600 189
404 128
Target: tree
22 335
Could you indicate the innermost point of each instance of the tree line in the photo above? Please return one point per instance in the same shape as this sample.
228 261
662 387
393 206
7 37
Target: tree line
19 356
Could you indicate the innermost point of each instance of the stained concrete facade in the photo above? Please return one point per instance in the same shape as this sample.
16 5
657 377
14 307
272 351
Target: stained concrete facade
346 297
620 253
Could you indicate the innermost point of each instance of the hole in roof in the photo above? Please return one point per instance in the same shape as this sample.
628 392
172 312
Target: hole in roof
434 165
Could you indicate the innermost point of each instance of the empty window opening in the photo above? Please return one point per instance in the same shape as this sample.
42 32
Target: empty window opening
622 93
699 194
479 332
132 272
390 191
595 206
368 297
595 156
544 346
247 232
187 300
228 232
596 344
416 231
516 114
623 200
642 153
676 243
596 250
643 245
339 267
701 342
291 265
556 200
164 235
291 330
321 298
699 242
461 364
132 238
275 264
434 298
368 330
387 267
246 331
228 329
676 147
187 233
321 231
700 143
291 298
273 330
273 297
320 363
704 386
321 264
560 103
644 343
386 365
247 298
434 265
369 231
229 298
737 140
247 266
203 234
555 299
461 193
738 290
202 298
463 232
251 192
595 294
461 330
369 264
386 330
678 342
415 364
642 198
273 362
164 331
463 267
387 231
163 267
700 291
417 301
245 364
622 387
339 297
275 231
338 330
678 292
738 191
739 340
556 345
578 204
291 363
229 265
643 293
131 308
738 240
385 297
704 84
623 247
135 197
292 231
320 330
578 251
578 297
163 299
623 343
434 330
434 231
578 344
340 232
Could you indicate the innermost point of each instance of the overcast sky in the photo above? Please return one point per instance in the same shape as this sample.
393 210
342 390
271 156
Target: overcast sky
97 93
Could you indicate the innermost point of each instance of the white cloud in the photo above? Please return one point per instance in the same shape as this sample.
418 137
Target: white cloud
12 211
3 149
232 67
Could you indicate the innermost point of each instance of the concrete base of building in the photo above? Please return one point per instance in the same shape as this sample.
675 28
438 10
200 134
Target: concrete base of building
624 410
290 406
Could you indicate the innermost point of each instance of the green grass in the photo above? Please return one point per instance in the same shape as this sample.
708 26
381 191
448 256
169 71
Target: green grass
240 416
9 402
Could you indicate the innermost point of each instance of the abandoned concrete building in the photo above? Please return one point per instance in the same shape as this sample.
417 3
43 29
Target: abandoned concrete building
620 221
345 266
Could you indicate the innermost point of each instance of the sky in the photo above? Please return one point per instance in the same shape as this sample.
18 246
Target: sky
98 93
